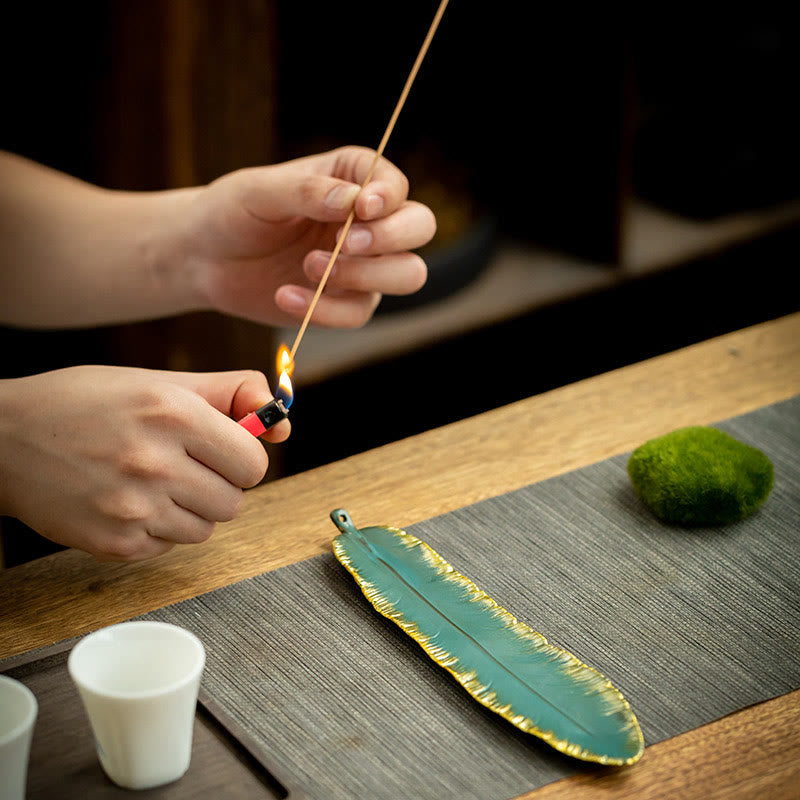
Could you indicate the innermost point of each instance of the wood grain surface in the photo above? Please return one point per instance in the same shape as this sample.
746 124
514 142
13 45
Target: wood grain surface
752 753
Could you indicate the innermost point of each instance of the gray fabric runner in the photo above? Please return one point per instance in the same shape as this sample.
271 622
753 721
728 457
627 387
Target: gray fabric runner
690 625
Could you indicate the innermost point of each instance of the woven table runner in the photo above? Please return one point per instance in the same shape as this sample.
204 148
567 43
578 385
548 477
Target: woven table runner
690 625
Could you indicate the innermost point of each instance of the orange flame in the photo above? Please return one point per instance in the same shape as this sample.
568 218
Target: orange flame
285 361
285 388
285 364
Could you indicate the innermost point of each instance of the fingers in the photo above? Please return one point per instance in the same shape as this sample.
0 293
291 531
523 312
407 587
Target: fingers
279 193
235 393
205 494
178 503
354 288
227 449
403 273
380 198
410 227
374 260
340 310
324 188
182 490
252 393
132 548
386 191
145 460
181 526
387 181
186 512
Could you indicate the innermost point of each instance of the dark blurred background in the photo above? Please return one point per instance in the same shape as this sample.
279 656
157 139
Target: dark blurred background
541 126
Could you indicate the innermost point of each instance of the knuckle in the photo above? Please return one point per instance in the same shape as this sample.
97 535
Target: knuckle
141 461
200 532
417 273
230 509
429 223
309 191
226 507
403 184
356 154
254 379
254 375
363 312
123 505
254 469
161 405
121 548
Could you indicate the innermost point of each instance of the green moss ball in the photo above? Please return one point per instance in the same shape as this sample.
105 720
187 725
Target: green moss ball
700 476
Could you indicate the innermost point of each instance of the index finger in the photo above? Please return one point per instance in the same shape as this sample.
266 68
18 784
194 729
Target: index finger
386 190
225 447
380 198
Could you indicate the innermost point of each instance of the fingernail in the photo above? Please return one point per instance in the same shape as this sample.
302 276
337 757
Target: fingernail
342 196
373 206
293 300
359 239
318 263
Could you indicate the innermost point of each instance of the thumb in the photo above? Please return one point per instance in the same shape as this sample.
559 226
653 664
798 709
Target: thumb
276 193
234 393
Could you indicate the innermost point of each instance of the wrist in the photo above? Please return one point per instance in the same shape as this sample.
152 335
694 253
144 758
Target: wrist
166 246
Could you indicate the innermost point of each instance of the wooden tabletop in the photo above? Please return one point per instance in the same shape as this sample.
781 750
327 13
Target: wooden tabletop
755 752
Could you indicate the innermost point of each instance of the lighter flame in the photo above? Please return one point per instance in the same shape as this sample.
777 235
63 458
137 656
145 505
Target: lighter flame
285 364
285 390
285 361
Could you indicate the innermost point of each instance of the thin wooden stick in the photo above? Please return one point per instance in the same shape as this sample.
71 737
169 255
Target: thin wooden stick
378 153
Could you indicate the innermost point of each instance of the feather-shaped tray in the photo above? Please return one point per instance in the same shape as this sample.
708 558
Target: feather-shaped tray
504 664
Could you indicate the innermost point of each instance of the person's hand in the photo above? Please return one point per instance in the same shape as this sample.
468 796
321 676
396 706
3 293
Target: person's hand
256 242
125 463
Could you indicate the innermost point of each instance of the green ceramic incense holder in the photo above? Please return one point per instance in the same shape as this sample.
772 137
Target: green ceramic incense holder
503 663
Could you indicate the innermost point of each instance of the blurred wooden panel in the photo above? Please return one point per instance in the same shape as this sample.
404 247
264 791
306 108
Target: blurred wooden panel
190 94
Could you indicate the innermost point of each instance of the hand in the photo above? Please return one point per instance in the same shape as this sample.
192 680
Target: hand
257 241
126 463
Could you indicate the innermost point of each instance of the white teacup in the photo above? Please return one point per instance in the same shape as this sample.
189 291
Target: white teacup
139 683
18 710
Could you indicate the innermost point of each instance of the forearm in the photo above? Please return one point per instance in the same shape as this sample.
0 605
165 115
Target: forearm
75 255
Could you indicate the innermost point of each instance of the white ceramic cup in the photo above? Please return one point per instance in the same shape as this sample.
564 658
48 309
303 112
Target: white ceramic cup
139 683
18 709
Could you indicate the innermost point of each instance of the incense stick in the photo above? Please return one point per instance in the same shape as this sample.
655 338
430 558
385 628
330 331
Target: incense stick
378 153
